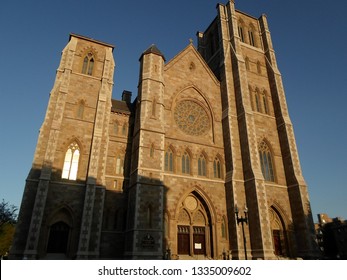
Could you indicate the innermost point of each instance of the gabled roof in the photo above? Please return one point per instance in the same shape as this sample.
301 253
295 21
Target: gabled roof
191 48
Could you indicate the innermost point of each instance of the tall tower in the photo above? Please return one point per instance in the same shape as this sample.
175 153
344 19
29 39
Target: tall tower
146 189
62 206
263 171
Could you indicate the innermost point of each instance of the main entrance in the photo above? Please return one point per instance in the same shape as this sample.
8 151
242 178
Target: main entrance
193 228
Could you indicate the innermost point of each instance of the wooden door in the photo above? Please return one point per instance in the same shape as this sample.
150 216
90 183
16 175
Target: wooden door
183 244
199 241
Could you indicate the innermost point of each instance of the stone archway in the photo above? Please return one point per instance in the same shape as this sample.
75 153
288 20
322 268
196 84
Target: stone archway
279 234
59 235
194 227
58 238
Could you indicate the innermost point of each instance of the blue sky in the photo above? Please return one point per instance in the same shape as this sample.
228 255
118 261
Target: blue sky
309 38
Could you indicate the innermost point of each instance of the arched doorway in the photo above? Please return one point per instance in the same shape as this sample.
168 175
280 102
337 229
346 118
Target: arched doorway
59 235
194 232
58 238
279 235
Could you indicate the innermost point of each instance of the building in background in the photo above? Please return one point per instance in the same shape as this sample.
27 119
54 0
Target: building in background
161 177
332 237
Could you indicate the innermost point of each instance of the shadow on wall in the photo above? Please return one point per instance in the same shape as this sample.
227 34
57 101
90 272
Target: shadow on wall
55 218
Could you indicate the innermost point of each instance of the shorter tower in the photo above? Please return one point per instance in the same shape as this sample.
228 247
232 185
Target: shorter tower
146 189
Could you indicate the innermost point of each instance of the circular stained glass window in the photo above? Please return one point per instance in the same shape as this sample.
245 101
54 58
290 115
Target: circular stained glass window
191 118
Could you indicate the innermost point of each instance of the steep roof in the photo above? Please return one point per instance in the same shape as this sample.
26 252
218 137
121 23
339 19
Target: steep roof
153 49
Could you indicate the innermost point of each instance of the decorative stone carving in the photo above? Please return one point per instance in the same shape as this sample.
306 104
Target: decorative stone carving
191 203
191 118
183 217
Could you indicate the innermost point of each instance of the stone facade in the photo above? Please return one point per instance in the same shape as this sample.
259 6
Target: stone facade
161 177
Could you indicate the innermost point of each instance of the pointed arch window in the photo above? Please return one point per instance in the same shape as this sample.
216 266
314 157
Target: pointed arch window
202 166
247 63
71 162
80 110
266 107
119 165
88 64
251 37
257 102
124 130
258 67
151 152
154 107
186 163
115 128
169 160
266 162
217 168
241 35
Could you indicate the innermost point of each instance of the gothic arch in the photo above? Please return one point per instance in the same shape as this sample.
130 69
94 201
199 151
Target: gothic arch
204 197
71 161
189 94
88 60
115 129
268 143
266 160
178 95
152 150
65 144
195 224
279 230
186 162
86 50
59 232
203 163
220 157
218 171
204 153
80 112
252 38
247 62
205 104
241 30
170 158
172 148
275 205
63 213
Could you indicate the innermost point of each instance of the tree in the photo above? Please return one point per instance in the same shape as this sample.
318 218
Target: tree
8 218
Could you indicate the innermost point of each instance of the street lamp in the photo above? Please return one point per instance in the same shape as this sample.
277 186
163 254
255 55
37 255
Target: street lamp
242 220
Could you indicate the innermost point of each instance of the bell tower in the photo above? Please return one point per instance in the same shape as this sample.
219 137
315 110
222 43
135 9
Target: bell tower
263 170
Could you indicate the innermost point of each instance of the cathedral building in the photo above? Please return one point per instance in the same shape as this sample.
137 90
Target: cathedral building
207 141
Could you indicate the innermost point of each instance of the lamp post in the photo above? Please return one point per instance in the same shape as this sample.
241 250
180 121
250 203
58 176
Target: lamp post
242 220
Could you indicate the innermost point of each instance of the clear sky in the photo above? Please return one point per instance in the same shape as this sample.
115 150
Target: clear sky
309 37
